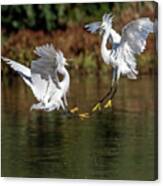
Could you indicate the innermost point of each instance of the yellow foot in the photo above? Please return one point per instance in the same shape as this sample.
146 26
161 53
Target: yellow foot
96 107
84 115
74 110
108 104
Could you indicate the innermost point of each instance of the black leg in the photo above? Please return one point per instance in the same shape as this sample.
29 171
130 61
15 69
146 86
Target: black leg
113 92
106 95
110 94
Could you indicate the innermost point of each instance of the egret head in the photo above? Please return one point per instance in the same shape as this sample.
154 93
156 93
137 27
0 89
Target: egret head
106 24
62 61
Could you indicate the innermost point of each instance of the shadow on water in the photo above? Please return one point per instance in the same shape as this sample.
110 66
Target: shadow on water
112 144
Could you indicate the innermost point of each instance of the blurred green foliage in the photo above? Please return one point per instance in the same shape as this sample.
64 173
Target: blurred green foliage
51 16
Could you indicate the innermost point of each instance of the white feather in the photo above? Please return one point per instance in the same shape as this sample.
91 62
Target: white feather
43 78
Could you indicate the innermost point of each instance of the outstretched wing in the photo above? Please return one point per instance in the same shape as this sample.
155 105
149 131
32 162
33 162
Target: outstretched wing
93 27
135 33
22 70
133 41
43 68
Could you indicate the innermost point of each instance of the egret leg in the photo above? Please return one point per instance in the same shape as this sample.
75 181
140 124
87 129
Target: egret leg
111 94
97 107
62 105
74 110
112 90
110 97
84 115
108 104
107 95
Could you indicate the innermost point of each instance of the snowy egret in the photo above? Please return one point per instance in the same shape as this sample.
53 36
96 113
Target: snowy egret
43 79
124 48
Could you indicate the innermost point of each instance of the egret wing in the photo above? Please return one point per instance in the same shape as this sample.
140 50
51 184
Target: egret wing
93 27
17 66
133 41
22 70
43 68
135 33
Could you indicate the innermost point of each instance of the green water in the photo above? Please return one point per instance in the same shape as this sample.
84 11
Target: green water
113 144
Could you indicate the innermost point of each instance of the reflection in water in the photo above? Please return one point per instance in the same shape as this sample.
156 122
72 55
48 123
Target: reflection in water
113 144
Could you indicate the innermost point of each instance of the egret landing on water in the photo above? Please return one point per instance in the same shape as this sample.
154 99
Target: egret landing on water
43 79
122 54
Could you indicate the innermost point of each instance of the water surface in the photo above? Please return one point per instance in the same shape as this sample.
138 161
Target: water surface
112 144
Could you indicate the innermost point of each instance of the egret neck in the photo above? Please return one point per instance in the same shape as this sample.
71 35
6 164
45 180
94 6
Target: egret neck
105 52
66 79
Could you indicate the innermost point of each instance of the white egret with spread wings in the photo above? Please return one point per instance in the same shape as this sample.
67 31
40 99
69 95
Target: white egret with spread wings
124 48
43 79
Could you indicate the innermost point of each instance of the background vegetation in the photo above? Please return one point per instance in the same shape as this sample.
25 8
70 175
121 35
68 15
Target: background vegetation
27 26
